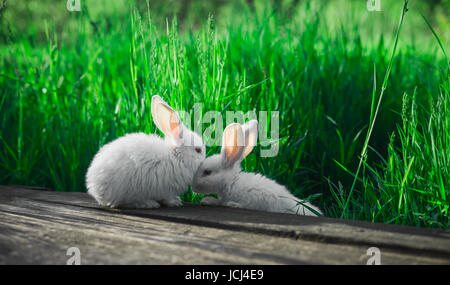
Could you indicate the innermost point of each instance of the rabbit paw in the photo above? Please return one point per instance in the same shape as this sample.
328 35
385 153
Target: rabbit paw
210 201
173 202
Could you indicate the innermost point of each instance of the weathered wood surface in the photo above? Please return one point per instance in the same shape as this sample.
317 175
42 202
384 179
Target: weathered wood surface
37 227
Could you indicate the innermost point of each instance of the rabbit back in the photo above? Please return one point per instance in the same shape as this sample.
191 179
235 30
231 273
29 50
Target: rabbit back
257 192
135 168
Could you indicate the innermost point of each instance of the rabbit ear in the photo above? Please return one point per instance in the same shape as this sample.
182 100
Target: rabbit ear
251 135
232 144
166 119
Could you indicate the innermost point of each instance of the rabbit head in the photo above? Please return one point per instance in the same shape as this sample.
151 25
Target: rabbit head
218 171
187 145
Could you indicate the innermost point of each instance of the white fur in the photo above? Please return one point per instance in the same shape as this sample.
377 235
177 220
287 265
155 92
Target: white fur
242 189
144 171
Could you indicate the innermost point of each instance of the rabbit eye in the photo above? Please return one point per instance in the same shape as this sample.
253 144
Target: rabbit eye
206 172
198 150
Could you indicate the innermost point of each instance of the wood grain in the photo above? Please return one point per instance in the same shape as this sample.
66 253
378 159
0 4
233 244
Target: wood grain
37 227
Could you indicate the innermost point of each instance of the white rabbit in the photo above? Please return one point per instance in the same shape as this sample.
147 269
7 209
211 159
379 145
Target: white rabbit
140 170
221 174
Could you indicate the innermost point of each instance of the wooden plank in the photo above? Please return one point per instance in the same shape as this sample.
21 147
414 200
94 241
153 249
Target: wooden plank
324 229
39 227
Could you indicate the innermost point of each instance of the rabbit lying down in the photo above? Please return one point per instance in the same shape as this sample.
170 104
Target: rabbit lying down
143 171
221 174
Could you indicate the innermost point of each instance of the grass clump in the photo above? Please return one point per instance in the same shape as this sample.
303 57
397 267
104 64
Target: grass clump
71 84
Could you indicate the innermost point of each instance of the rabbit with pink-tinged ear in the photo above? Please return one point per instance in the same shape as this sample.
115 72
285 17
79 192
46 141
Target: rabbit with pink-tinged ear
144 170
222 175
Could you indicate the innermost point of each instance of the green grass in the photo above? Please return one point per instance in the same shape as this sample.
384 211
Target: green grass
357 146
